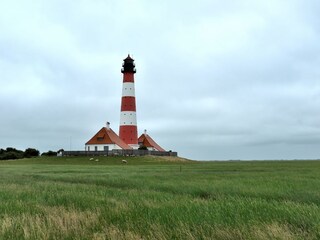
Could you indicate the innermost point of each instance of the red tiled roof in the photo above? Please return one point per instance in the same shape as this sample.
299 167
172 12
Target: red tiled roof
147 141
108 136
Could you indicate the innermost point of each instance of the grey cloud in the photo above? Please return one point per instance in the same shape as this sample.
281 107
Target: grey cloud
214 80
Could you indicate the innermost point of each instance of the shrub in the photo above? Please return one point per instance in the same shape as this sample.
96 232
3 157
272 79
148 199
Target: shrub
49 153
10 149
142 147
11 155
31 152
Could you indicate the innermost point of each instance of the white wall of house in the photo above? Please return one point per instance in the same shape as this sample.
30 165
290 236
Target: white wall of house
151 149
100 147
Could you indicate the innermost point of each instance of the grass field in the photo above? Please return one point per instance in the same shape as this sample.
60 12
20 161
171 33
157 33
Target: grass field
154 198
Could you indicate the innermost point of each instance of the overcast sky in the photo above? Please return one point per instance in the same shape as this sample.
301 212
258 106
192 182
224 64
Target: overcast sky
215 79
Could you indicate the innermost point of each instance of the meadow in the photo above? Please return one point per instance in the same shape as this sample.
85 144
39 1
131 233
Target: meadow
158 198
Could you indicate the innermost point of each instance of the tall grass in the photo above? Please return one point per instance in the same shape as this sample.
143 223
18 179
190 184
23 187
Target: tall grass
152 198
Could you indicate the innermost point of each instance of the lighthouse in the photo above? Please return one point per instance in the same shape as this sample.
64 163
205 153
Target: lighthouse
107 140
128 131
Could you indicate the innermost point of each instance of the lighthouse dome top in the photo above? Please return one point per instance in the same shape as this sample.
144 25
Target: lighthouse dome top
128 58
128 66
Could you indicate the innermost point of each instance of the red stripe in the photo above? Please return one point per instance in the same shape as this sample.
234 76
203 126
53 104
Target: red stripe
128 104
129 134
128 77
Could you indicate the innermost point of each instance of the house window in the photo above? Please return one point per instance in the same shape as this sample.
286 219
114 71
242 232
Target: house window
96 148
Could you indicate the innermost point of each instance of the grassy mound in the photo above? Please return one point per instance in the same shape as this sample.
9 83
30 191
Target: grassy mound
98 160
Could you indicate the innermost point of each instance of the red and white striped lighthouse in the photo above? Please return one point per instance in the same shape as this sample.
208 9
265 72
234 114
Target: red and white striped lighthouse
128 120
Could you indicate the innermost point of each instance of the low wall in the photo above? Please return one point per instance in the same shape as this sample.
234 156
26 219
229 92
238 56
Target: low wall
120 152
85 153
136 152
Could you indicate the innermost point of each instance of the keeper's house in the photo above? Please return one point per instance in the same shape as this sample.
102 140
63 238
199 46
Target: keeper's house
106 140
146 141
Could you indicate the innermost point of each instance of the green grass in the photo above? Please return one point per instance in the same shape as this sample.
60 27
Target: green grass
156 198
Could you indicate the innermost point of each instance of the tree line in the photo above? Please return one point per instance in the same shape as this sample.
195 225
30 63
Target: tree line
13 153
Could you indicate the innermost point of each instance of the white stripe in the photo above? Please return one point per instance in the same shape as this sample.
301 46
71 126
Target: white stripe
128 89
128 118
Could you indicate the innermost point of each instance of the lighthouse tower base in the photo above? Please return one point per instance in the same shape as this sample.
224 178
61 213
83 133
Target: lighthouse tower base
134 146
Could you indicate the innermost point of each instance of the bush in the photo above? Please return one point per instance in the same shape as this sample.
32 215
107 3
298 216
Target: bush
142 147
10 149
31 152
49 153
10 155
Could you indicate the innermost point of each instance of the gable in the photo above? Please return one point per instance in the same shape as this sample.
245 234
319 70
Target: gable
147 141
107 136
